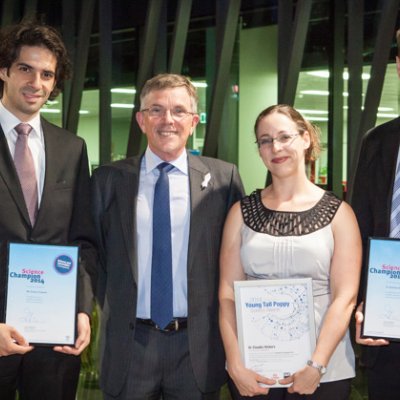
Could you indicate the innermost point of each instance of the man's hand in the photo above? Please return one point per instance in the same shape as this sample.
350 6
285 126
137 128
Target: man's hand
12 342
366 341
83 339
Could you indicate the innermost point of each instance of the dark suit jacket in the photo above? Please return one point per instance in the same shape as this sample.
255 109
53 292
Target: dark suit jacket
372 192
64 215
115 189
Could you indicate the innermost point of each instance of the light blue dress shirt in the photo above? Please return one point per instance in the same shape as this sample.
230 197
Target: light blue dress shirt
180 223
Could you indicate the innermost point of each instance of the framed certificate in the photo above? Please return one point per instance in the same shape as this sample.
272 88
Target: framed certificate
41 292
382 299
276 325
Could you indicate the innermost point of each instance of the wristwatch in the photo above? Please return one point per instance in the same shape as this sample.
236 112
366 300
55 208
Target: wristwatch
321 369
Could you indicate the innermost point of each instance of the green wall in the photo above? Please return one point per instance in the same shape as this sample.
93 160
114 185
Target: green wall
258 84
88 129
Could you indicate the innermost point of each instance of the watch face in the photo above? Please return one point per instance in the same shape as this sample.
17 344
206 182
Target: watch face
321 369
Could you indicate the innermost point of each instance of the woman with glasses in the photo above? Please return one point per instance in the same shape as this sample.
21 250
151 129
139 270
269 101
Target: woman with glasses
293 229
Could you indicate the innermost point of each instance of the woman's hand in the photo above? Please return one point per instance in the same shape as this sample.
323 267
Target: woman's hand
249 382
304 381
365 341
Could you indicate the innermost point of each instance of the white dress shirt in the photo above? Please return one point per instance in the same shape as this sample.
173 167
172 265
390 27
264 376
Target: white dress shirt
8 122
180 221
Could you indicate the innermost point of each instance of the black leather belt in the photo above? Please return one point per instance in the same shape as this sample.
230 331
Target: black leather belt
175 325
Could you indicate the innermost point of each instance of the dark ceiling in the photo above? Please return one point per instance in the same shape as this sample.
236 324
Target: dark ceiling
129 16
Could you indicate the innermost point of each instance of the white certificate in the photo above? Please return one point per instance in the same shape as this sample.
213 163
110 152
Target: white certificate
41 292
276 325
382 301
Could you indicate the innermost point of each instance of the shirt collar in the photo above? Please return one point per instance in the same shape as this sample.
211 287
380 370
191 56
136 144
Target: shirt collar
151 161
9 121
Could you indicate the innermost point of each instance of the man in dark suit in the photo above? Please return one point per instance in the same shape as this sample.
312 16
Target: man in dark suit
44 198
182 357
372 201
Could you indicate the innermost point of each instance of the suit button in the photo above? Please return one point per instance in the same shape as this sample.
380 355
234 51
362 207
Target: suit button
131 326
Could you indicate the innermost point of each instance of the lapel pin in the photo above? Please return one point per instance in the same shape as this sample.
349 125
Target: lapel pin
206 179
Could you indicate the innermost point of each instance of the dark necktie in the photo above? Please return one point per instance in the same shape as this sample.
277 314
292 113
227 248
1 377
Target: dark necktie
161 269
23 162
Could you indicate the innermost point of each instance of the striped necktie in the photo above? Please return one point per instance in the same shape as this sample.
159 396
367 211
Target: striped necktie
395 214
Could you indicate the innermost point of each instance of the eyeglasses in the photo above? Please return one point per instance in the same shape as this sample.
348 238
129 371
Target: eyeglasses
284 139
177 113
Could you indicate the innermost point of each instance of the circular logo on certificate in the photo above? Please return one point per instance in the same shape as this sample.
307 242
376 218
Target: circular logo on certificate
63 264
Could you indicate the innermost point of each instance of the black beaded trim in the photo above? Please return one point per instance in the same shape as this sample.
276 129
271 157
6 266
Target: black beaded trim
286 223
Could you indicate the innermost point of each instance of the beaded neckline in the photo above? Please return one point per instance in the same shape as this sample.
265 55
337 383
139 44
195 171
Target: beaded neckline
287 223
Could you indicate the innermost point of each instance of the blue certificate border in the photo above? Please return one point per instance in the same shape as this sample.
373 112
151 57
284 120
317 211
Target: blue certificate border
60 266
378 253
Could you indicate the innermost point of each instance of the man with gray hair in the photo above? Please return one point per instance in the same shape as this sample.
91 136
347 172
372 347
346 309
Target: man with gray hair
159 220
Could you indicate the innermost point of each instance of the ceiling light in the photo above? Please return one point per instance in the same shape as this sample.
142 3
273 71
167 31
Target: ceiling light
133 90
50 111
200 84
385 115
325 74
123 90
121 105
312 118
364 76
315 92
319 74
312 111
320 92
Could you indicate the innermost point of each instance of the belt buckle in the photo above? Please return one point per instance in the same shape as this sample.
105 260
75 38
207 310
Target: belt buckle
168 328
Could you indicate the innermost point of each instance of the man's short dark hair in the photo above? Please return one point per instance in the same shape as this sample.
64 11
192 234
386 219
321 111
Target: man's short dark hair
12 38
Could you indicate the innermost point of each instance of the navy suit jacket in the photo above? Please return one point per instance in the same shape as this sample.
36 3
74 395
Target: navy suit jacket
372 194
115 189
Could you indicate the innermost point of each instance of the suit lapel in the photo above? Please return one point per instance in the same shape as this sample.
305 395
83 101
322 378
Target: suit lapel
388 158
198 193
127 191
10 177
52 147
390 149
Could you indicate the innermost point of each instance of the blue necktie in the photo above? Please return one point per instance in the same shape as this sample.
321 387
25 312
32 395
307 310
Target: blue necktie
161 269
395 214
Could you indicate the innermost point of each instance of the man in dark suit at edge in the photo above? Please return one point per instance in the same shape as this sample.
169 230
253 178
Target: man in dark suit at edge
182 357
373 200
48 202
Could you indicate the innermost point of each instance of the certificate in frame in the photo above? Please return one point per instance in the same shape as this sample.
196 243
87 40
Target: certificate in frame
382 296
42 292
276 325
